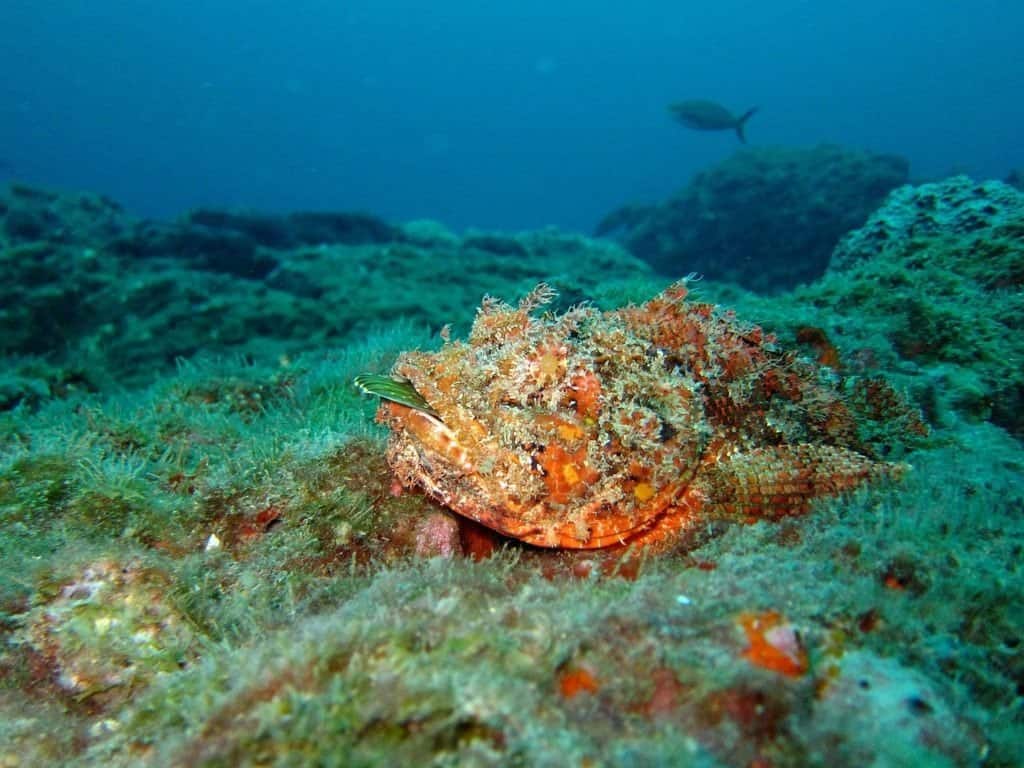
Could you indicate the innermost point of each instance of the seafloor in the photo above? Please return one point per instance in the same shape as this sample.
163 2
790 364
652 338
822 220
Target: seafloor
204 558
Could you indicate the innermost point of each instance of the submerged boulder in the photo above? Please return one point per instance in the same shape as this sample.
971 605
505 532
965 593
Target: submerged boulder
929 291
941 267
766 218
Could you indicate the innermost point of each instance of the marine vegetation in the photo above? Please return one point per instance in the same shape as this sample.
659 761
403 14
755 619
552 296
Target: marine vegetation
590 430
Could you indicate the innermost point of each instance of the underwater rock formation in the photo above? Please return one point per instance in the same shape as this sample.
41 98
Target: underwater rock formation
955 207
301 228
246 243
941 267
766 218
928 291
30 214
592 430
109 630
108 299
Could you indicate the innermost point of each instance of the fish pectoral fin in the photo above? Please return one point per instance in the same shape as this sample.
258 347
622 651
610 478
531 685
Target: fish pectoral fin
398 390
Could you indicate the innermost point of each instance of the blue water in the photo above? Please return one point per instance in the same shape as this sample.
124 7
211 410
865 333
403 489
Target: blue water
476 112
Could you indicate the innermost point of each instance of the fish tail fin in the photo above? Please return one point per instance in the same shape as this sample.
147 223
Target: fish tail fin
742 121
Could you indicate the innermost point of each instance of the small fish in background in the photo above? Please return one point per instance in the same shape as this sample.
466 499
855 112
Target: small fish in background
705 115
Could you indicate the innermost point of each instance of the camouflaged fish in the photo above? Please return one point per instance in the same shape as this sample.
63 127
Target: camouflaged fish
590 429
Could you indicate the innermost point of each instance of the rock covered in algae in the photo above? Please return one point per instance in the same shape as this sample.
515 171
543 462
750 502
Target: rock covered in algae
591 429
765 218
108 630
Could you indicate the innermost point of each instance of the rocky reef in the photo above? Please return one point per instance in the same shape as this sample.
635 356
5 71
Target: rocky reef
93 297
766 218
214 563
928 290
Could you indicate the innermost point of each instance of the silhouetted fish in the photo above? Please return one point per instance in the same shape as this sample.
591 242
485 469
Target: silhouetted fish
709 116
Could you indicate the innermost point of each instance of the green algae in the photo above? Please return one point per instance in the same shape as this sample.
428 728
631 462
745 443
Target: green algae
315 635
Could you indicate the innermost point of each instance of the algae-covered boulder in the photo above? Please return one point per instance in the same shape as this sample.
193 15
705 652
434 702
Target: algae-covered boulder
766 218
929 291
30 214
955 207
945 283
89 288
